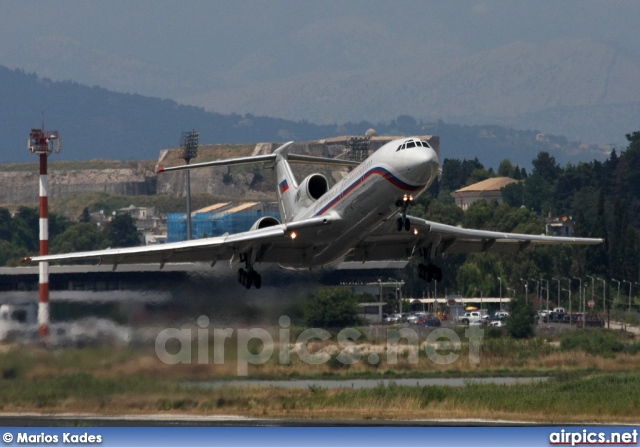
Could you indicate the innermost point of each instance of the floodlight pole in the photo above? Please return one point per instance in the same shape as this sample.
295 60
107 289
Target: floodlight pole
189 144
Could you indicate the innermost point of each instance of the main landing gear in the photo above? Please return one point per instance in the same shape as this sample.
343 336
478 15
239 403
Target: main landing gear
403 221
248 276
429 272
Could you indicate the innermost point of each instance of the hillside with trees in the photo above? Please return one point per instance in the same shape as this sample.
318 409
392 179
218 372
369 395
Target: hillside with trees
95 123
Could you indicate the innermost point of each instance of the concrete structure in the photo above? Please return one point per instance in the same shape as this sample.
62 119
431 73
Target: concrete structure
371 312
487 190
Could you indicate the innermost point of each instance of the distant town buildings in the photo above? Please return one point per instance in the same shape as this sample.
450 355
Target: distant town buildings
487 190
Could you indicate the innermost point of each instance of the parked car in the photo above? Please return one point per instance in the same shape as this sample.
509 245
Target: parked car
589 320
497 323
391 318
469 317
555 317
415 317
425 318
430 322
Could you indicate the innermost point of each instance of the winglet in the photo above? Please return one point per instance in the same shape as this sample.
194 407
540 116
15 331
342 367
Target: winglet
27 259
160 170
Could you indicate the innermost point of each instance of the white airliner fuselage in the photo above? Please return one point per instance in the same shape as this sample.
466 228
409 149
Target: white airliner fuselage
369 195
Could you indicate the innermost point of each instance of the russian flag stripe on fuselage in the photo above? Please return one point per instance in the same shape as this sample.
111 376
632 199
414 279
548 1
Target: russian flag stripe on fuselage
377 170
283 186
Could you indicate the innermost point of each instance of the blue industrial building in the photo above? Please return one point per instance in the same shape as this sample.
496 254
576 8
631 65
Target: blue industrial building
217 220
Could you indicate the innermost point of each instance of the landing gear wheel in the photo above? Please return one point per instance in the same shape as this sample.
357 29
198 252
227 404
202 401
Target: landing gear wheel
241 276
399 224
437 274
257 280
407 224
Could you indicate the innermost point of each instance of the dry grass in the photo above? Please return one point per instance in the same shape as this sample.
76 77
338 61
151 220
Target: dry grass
133 380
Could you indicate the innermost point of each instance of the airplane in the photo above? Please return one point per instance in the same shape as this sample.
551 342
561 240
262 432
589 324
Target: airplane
363 217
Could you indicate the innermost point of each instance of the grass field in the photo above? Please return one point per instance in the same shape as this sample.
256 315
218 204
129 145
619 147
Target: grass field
586 384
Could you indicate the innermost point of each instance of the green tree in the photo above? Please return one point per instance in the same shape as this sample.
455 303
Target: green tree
25 231
79 237
521 318
10 254
5 224
122 231
506 168
85 217
335 308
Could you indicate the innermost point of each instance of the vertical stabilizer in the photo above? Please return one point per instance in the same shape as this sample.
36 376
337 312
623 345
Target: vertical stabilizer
287 185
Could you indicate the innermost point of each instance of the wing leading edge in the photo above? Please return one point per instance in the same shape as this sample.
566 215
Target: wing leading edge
386 243
266 242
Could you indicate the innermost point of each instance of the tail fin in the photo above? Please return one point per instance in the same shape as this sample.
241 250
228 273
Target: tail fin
287 184
280 158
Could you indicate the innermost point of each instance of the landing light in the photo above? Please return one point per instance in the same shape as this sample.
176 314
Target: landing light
293 235
415 231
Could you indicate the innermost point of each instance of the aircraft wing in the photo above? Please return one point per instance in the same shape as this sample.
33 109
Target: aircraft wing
387 243
270 244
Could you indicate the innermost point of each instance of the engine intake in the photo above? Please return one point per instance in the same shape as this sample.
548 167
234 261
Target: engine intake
311 189
265 222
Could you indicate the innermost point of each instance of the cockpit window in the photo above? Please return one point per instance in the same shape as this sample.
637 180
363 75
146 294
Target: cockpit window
413 143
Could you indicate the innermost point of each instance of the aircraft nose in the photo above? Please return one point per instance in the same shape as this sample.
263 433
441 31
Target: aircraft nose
421 165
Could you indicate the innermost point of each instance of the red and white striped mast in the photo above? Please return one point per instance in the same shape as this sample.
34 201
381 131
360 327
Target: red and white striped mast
44 143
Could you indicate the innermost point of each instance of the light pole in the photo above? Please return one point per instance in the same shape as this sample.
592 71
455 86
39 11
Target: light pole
584 300
580 291
189 145
618 296
604 290
500 279
526 290
547 281
558 279
593 287
537 288
570 315
512 290
624 280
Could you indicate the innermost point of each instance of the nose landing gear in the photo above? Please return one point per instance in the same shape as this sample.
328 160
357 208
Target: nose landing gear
403 221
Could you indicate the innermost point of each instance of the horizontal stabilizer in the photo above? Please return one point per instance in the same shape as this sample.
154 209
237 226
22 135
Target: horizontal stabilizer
268 159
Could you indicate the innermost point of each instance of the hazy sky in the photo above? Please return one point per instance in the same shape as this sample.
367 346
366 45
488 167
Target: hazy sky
184 49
